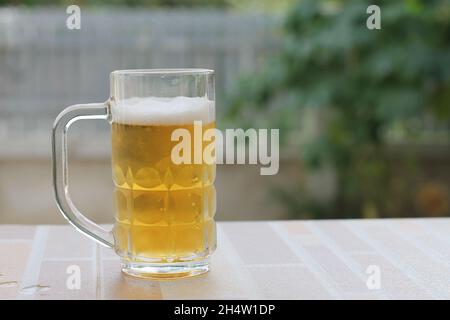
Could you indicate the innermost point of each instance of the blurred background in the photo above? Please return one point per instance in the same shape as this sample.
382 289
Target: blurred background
364 115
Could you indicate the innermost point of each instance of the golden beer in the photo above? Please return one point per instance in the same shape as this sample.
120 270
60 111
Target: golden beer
164 212
164 197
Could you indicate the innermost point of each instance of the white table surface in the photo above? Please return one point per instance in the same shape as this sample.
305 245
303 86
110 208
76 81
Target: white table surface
331 259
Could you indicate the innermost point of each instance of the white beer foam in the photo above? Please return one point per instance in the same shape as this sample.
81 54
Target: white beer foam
163 111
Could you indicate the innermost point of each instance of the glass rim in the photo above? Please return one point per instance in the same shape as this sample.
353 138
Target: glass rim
162 72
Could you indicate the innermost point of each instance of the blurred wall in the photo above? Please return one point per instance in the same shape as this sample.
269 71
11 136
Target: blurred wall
26 192
45 67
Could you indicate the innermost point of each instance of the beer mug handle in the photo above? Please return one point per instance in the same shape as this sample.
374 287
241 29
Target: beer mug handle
60 174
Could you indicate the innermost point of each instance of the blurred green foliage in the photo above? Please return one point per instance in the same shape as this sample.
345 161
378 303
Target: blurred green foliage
360 82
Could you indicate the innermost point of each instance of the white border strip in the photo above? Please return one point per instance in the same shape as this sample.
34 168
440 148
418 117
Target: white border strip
346 260
314 267
406 269
31 275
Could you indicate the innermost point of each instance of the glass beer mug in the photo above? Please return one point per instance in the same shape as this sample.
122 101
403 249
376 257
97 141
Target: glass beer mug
164 217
